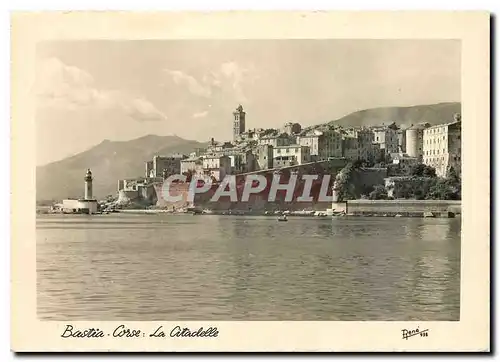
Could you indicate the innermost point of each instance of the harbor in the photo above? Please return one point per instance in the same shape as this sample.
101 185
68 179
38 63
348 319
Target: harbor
230 264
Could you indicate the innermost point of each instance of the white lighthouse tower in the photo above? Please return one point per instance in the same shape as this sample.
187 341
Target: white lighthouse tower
85 205
88 185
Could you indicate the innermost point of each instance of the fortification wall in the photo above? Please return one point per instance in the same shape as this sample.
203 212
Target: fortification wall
127 196
402 206
258 202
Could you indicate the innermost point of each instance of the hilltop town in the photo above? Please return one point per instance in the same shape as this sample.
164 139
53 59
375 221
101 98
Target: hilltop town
387 148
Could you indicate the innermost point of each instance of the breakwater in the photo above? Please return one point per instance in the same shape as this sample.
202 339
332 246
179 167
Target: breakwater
410 208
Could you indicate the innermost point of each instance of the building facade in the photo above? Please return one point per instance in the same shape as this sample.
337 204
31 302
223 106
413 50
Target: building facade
165 165
290 155
189 165
322 144
350 148
401 140
442 147
275 140
264 157
217 166
387 138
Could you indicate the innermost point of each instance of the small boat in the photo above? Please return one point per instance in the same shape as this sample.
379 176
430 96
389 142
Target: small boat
283 218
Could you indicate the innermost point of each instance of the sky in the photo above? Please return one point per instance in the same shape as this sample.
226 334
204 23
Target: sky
90 91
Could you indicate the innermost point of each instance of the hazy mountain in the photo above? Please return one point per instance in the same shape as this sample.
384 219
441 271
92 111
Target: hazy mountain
109 161
432 113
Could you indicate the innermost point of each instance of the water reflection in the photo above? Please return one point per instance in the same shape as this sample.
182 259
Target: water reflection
248 268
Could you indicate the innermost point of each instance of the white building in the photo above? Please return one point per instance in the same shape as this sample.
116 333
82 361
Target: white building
217 166
189 164
79 206
442 147
295 154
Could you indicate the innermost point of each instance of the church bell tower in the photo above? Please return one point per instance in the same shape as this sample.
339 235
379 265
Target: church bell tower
238 122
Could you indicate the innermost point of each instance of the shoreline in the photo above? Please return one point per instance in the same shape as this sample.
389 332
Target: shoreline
355 208
322 215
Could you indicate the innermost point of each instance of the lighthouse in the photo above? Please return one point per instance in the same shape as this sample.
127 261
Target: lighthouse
88 185
85 205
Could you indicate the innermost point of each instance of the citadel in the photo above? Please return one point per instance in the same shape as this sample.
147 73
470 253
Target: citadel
291 150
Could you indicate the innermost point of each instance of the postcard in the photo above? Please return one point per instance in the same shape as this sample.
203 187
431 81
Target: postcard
250 181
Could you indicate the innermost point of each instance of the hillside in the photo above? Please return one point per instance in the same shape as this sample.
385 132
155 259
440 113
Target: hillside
109 161
432 113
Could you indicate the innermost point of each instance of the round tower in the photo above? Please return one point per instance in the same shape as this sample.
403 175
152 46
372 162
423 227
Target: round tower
88 185
415 140
412 138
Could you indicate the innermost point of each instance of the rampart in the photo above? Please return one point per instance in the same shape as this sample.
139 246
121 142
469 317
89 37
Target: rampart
259 202
402 207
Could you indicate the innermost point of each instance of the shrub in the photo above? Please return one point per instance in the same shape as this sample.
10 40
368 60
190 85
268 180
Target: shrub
379 193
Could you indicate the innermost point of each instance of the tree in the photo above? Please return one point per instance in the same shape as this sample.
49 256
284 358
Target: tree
357 164
379 193
393 170
429 171
343 186
454 176
422 170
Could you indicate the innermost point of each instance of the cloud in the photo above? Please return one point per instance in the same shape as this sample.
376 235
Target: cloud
63 87
200 114
195 87
227 80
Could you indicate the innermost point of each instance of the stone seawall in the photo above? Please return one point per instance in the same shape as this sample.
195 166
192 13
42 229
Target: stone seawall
260 201
256 202
402 207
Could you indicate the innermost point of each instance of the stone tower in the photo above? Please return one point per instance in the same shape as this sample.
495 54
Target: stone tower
88 185
238 122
